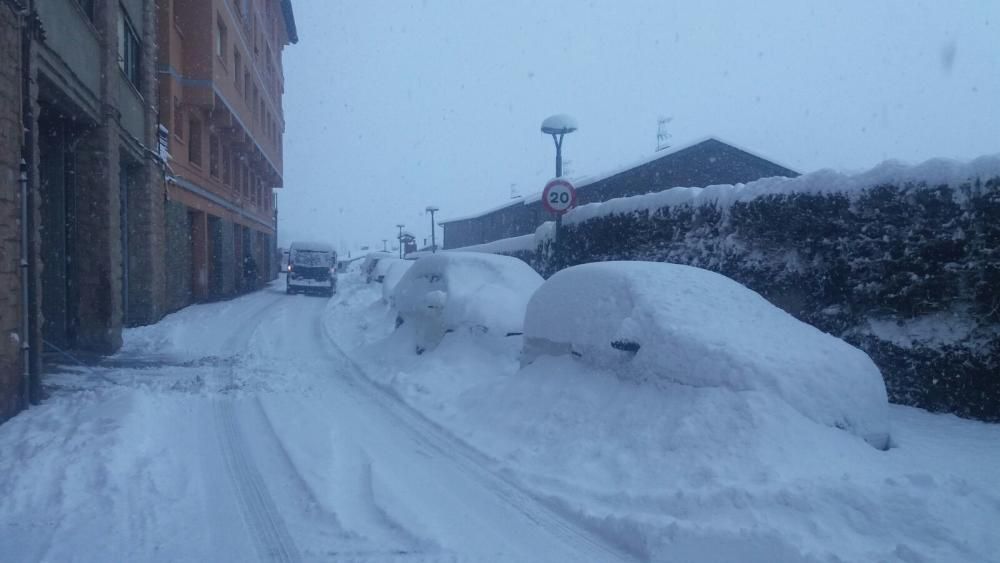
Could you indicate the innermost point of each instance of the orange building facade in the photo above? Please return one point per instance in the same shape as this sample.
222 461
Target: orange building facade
221 122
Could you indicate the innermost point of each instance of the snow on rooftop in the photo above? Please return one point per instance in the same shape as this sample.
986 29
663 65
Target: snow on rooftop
503 246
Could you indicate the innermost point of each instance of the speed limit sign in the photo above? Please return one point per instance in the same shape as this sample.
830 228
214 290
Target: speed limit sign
559 196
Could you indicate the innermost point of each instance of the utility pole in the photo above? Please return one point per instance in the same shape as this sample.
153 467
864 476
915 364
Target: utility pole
431 209
400 238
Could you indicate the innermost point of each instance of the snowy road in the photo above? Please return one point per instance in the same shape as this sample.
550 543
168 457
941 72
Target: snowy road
255 438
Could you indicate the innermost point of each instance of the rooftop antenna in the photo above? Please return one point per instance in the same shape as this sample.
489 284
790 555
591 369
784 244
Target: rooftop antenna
662 135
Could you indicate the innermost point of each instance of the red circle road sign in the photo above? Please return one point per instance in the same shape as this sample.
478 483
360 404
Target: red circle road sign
559 196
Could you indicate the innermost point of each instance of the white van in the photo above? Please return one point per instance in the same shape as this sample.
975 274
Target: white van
312 266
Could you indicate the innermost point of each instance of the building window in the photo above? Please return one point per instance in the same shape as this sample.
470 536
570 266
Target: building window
213 155
220 39
194 142
129 48
237 63
227 165
178 119
237 176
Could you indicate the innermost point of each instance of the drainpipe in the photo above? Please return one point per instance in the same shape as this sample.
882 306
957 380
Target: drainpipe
28 294
25 281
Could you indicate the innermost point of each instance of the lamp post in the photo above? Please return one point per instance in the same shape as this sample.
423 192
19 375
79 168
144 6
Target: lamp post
558 126
400 238
431 209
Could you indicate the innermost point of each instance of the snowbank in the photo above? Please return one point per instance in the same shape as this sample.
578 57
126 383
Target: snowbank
682 473
681 325
453 290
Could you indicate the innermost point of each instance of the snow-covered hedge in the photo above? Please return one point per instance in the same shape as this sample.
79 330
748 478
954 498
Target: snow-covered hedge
902 261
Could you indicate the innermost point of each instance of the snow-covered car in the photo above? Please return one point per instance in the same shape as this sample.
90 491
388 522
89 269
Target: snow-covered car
394 272
371 262
450 291
312 266
667 323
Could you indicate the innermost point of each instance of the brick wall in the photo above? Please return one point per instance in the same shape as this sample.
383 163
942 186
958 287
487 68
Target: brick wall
10 222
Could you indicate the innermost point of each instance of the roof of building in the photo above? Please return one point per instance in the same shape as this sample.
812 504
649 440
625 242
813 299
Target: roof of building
286 9
583 181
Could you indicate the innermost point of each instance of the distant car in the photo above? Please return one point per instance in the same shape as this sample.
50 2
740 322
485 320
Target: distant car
668 324
312 267
450 291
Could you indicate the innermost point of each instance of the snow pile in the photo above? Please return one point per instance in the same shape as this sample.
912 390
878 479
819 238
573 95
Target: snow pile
933 173
393 273
453 290
673 324
676 472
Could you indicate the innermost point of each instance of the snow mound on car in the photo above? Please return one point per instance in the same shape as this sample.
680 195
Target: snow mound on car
655 322
393 274
456 289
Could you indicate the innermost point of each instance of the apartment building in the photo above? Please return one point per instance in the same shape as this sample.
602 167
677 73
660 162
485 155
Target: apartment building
75 105
220 97
140 141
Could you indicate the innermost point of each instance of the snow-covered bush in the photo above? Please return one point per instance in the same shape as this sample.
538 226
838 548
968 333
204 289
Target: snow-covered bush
655 322
455 290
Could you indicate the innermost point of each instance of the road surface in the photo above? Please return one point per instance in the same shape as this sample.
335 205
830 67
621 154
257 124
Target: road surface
240 431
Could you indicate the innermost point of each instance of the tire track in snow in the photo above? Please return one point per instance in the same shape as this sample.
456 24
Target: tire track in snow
267 527
471 462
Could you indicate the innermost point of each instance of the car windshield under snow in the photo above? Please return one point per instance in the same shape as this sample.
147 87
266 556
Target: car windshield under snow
311 258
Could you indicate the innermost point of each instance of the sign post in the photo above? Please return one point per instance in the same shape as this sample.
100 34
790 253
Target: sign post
558 197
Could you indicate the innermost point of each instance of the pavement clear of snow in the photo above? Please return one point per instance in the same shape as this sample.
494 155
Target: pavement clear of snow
294 428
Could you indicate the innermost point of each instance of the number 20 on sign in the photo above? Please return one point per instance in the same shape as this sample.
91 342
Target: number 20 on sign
559 196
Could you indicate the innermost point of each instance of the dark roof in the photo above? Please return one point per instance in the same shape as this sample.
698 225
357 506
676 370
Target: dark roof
598 181
286 9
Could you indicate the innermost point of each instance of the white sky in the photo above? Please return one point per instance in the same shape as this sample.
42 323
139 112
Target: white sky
393 105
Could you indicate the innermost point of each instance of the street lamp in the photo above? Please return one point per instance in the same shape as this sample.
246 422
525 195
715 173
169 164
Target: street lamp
400 238
431 209
558 126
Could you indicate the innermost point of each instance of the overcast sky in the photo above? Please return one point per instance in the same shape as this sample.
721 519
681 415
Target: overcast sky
392 105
